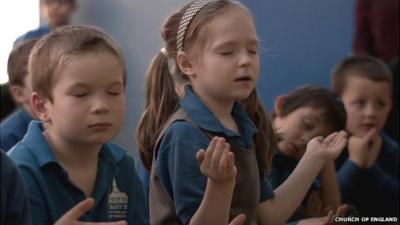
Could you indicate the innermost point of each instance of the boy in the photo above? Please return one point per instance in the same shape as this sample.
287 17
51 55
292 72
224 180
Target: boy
368 171
14 127
59 13
78 79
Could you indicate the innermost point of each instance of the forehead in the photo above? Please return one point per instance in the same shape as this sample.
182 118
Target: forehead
314 115
233 24
94 66
356 85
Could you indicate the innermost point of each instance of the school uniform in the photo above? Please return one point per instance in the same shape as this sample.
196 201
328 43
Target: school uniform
13 128
176 183
118 192
374 191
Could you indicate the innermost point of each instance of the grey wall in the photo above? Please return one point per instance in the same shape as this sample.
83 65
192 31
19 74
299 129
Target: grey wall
303 40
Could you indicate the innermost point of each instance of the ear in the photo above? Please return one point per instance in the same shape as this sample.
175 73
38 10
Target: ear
279 102
40 107
18 93
184 63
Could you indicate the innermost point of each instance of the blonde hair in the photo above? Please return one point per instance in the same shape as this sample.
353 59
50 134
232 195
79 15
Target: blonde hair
164 73
53 52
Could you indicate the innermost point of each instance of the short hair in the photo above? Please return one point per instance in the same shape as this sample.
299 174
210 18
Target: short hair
55 50
17 66
359 66
72 2
316 97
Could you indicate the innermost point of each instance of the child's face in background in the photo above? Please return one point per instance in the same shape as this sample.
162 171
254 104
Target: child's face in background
59 12
228 66
367 104
88 100
298 128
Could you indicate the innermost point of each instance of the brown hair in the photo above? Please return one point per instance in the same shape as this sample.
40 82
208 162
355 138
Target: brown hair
361 66
316 97
55 50
17 67
164 73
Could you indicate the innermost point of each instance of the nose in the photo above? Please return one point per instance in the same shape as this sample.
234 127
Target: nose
100 105
244 58
370 110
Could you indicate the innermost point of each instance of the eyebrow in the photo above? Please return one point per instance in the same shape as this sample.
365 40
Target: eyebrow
233 43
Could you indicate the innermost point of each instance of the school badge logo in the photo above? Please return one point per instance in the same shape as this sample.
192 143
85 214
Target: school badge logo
117 203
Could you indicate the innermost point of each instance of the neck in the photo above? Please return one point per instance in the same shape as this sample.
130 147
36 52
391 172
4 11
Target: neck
72 155
221 108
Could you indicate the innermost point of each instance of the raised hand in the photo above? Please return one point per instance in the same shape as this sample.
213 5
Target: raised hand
72 216
217 163
364 151
330 147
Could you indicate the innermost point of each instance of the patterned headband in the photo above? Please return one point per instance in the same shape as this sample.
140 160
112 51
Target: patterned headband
187 17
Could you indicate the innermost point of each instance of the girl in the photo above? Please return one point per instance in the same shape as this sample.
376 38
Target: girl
304 113
212 47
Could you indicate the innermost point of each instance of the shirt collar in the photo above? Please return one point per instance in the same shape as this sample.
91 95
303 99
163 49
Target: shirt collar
44 155
204 118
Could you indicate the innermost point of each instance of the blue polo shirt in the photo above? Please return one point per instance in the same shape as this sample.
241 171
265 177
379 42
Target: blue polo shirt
14 208
36 33
13 128
176 163
118 192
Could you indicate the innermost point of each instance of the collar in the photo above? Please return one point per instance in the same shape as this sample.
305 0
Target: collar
204 118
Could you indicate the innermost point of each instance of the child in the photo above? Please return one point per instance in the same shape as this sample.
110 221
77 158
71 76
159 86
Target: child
59 13
78 78
14 127
213 46
368 172
299 116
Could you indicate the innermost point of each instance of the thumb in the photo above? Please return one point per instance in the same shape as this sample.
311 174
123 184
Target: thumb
78 210
200 155
370 135
238 220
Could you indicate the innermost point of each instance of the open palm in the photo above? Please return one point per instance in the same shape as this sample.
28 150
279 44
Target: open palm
330 147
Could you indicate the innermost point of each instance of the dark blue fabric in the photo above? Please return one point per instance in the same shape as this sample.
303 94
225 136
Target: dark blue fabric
374 191
14 206
13 129
176 163
51 192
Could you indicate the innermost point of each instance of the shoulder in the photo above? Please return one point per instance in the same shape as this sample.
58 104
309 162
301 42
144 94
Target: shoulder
184 131
35 33
22 156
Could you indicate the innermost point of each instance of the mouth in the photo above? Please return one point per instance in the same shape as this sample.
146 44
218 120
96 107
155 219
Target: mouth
245 78
100 125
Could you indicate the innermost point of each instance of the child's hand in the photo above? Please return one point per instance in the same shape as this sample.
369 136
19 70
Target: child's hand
329 219
364 151
72 216
217 163
328 148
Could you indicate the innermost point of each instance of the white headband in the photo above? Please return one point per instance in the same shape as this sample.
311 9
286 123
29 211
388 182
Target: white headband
187 17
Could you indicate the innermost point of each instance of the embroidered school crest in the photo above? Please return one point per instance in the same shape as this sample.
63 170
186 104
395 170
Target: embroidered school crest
117 203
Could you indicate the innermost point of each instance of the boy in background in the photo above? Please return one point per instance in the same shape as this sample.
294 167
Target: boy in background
14 127
368 171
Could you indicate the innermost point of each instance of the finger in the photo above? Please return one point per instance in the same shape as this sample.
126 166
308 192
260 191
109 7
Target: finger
209 152
329 217
78 210
342 210
224 161
200 155
330 137
238 220
216 156
368 137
